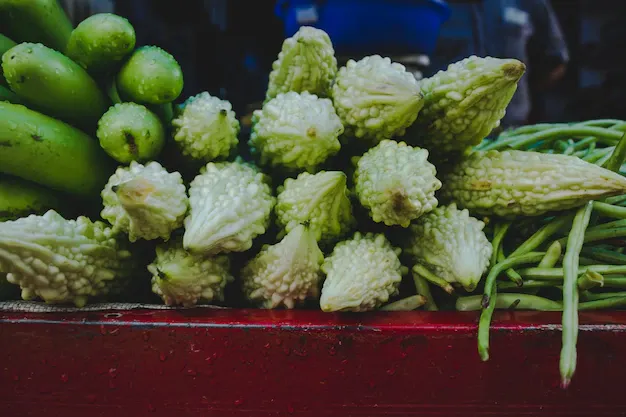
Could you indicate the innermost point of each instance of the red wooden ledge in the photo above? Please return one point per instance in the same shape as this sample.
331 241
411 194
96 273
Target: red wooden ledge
306 363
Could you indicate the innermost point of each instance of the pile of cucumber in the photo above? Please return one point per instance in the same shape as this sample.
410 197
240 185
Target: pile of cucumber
74 103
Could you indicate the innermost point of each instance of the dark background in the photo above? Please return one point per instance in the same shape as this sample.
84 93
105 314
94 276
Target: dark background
226 47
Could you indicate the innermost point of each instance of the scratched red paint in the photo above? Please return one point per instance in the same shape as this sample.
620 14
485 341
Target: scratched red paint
303 363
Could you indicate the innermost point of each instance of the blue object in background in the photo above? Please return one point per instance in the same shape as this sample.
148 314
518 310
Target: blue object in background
363 27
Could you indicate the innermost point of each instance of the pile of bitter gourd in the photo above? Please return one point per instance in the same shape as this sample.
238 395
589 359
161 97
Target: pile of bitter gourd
350 177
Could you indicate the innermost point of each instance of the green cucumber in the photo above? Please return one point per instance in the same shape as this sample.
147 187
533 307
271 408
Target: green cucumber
8 95
100 42
20 198
130 132
38 148
41 21
150 76
5 45
54 84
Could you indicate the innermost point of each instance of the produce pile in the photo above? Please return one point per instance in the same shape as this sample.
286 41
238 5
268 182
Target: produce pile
359 188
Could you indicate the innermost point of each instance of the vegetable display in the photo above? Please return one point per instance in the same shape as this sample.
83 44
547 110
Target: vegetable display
359 180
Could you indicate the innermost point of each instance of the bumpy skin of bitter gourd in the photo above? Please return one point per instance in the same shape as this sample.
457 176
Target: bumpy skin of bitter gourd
464 103
206 128
361 274
306 63
286 273
321 200
63 261
396 183
230 205
297 131
376 99
524 183
147 202
452 245
182 278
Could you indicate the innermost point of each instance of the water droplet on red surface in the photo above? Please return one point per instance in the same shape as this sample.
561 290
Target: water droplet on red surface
238 402
16 378
404 355
332 351
372 384
103 330
211 359
113 372
204 400
267 345
151 408
191 372
279 342
287 351
194 348
290 409
344 362
226 343
301 353
162 357
91 398
64 378
146 336
391 371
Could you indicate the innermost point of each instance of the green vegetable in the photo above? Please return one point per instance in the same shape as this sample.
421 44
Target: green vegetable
182 278
451 244
5 45
527 183
396 183
230 205
464 103
62 261
164 111
54 84
8 95
150 76
286 273
44 150
100 42
321 200
376 99
19 198
406 304
570 293
41 21
130 132
206 128
306 63
298 131
147 202
362 274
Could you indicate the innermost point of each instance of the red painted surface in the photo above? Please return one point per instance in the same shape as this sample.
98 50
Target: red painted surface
303 363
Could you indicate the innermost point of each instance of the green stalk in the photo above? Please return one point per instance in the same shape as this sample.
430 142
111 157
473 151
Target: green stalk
552 256
541 235
506 264
602 234
603 255
604 295
607 136
556 274
507 300
499 233
618 156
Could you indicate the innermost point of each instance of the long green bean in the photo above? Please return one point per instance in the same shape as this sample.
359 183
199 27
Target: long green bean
541 235
423 288
528 284
618 156
556 274
594 156
405 304
617 200
612 302
602 234
609 225
603 255
570 293
496 242
607 136
506 300
552 256
501 266
510 272
604 295
430 277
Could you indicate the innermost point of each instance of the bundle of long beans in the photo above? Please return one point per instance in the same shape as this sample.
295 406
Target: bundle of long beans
569 261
